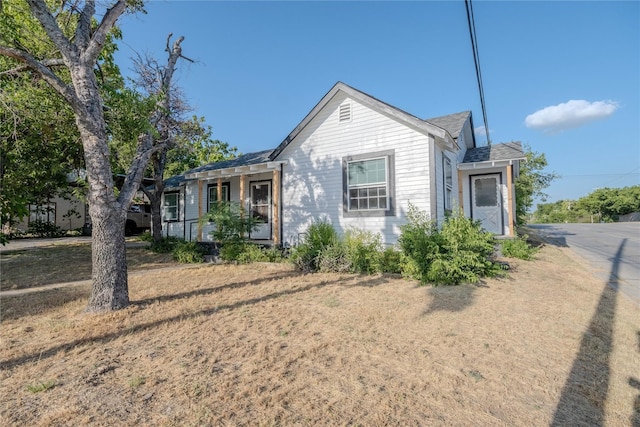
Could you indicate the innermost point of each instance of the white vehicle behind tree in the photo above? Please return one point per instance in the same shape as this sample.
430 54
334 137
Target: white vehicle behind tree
138 219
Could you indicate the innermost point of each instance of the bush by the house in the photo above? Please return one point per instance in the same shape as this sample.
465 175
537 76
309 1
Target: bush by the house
232 223
39 228
364 249
244 253
518 248
359 251
334 259
166 244
188 253
458 252
390 261
319 235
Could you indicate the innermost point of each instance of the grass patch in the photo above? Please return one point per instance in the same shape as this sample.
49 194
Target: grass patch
41 386
64 263
262 344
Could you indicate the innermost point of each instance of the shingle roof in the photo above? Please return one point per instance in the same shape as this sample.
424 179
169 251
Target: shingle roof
452 123
243 160
495 152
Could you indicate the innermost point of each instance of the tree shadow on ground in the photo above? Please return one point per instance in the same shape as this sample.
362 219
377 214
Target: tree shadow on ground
138 327
635 383
207 291
32 303
451 298
584 394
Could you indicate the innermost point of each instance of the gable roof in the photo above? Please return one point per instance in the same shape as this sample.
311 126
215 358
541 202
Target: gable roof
495 153
452 123
374 104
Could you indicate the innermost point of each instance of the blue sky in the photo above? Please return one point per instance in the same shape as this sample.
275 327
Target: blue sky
562 77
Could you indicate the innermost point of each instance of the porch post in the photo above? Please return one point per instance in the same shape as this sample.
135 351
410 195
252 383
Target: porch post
219 190
276 207
242 201
242 195
199 238
510 198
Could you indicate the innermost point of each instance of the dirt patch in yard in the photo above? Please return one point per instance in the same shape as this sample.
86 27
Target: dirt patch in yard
263 345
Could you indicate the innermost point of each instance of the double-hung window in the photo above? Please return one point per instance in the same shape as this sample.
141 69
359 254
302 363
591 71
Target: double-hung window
369 184
213 194
170 206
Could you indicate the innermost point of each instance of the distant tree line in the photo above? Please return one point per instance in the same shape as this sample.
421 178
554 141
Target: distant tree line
601 205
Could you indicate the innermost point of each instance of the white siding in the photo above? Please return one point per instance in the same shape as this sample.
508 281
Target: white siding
312 180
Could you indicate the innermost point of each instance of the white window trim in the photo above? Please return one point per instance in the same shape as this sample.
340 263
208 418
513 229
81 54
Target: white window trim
176 205
225 186
384 184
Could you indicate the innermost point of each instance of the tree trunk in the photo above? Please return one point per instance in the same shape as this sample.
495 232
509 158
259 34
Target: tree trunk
158 160
109 269
110 289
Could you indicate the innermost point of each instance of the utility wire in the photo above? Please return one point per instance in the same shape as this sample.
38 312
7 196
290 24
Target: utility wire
476 60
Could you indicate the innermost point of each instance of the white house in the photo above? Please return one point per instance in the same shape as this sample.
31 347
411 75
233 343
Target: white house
354 161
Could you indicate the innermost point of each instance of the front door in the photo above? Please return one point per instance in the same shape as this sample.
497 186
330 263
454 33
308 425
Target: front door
487 202
261 209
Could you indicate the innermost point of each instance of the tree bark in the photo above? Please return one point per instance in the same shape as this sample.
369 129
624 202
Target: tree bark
108 214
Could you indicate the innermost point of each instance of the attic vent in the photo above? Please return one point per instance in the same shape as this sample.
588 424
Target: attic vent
345 112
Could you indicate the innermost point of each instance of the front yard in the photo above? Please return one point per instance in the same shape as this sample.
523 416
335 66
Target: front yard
264 345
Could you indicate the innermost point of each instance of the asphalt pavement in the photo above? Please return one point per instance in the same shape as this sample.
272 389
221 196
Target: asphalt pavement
612 250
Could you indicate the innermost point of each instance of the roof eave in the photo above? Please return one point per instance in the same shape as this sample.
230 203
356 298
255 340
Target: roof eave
237 170
489 163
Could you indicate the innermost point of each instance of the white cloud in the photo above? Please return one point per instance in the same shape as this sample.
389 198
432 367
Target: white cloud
569 115
480 132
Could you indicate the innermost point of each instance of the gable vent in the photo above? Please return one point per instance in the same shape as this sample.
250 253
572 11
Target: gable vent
345 112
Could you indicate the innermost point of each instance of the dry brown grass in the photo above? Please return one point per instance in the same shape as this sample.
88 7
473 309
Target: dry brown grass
33 267
263 345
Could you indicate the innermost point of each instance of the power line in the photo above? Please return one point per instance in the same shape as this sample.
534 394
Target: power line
476 60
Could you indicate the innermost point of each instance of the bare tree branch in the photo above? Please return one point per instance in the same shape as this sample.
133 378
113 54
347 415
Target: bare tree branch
49 63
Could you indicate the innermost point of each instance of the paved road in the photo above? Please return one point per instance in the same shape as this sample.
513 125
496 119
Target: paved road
613 250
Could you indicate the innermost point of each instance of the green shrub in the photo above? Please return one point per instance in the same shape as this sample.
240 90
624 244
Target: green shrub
40 228
459 252
363 250
334 259
188 253
166 244
145 236
251 253
418 244
232 223
518 248
319 236
245 253
390 261
230 251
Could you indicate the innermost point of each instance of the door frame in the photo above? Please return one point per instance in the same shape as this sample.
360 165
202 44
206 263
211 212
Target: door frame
270 203
500 195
